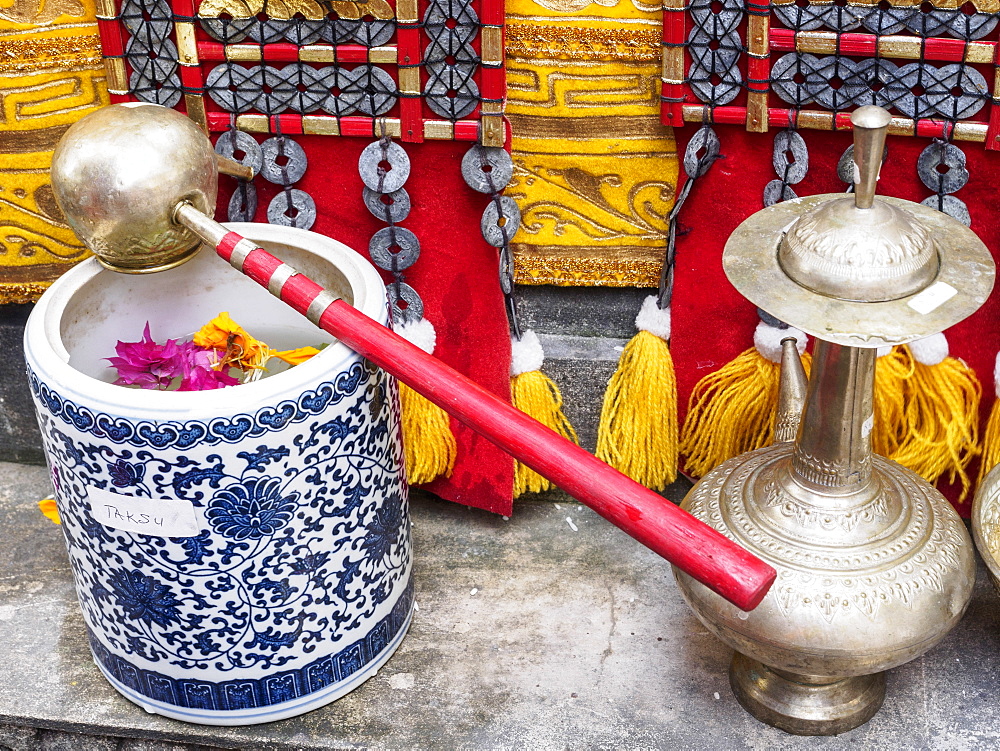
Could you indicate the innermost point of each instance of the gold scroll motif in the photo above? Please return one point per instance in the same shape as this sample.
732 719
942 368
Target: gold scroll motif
51 74
283 10
594 170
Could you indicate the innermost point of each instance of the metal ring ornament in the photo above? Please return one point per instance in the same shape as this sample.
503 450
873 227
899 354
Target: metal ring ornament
800 18
367 89
838 85
339 30
704 140
335 82
149 35
377 178
950 205
936 156
302 31
932 22
717 24
292 200
783 82
395 209
726 90
381 248
403 292
844 18
242 203
956 77
233 141
506 270
231 87
487 169
267 31
883 21
374 33
450 44
777 191
135 14
159 60
725 56
450 91
938 85
882 81
974 26
298 87
451 41
296 162
146 88
500 208
794 171
227 30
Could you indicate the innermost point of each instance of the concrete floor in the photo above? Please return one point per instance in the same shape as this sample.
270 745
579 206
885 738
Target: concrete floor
551 630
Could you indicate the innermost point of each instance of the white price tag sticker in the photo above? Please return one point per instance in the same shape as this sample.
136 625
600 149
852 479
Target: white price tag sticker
158 517
932 298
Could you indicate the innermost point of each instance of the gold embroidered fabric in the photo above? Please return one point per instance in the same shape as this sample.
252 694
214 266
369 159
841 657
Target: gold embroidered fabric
51 74
594 171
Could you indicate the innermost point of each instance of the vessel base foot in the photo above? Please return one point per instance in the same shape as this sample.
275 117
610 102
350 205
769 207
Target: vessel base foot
805 705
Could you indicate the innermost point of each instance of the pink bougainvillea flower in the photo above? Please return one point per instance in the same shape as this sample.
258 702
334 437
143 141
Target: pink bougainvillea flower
205 379
156 366
147 364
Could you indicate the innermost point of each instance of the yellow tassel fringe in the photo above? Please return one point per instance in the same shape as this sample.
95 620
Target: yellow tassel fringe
428 442
926 416
942 413
731 411
892 375
991 442
637 434
535 394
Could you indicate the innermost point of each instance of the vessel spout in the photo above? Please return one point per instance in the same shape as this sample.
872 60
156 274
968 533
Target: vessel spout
792 386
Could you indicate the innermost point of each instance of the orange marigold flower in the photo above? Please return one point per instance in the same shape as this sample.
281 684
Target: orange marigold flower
295 356
237 347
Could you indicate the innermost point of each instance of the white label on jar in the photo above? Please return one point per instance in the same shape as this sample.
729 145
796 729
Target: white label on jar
932 298
867 425
157 517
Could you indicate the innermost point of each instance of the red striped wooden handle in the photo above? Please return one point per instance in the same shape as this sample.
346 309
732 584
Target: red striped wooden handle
689 544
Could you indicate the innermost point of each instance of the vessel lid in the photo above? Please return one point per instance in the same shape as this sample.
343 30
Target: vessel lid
863 271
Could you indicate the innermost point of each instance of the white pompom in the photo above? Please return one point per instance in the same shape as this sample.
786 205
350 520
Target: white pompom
653 320
419 333
884 351
526 353
930 350
767 340
996 375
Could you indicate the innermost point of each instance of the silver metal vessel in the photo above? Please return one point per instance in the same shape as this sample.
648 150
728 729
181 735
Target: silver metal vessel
874 565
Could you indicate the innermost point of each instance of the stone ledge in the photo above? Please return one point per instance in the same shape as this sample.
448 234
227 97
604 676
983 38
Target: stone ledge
574 638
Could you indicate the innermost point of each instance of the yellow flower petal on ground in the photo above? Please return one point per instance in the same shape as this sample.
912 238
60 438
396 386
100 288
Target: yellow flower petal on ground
48 507
295 356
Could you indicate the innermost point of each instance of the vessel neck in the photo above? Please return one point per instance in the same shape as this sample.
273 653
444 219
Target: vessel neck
833 450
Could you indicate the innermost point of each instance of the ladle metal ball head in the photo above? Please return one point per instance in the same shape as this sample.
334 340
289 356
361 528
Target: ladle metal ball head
137 182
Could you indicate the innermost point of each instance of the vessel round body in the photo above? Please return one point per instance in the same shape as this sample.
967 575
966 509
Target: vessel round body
843 604
240 555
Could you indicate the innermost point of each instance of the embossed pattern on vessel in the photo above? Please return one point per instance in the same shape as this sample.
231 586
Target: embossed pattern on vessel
862 577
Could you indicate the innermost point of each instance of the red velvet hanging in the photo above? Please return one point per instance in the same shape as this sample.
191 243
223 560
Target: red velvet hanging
712 323
456 276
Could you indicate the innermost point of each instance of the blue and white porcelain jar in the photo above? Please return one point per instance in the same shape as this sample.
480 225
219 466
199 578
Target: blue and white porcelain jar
240 555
